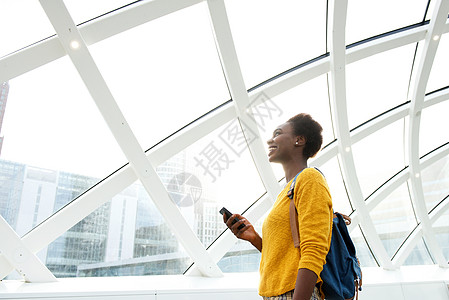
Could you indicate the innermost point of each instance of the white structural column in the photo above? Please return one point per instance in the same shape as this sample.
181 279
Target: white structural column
77 50
234 78
431 42
240 97
336 41
19 257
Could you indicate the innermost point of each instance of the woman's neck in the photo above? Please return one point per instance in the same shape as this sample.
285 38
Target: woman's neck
293 168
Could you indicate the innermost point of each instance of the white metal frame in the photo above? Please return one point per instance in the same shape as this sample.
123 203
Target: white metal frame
431 43
141 166
92 78
237 89
20 257
336 34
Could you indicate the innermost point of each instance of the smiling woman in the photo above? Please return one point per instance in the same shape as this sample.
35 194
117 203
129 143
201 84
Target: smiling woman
285 271
126 127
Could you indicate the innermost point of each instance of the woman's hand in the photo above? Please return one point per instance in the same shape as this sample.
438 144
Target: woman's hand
247 232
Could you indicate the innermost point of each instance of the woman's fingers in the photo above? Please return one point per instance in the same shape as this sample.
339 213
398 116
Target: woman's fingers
234 227
241 231
231 219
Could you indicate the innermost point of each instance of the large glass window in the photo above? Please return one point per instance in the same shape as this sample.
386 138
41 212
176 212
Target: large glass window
441 228
80 12
11 187
165 74
267 45
144 245
440 66
56 145
169 68
394 219
419 255
435 180
379 82
431 133
16 35
84 243
242 257
126 236
214 172
332 172
310 97
379 156
363 17
51 122
363 252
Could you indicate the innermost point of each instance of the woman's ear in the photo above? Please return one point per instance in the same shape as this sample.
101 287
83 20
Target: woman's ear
300 140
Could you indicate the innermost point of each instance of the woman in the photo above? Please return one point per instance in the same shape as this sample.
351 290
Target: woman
285 271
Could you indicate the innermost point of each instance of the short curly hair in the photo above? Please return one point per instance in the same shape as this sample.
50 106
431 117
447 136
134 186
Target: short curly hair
303 124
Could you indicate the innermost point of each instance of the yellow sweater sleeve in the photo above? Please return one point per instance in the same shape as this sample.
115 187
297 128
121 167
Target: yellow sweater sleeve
314 205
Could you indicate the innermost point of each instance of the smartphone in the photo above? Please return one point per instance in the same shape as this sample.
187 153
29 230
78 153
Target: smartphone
228 214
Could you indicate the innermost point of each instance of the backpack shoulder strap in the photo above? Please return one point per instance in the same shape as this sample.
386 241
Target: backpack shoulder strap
293 213
294 223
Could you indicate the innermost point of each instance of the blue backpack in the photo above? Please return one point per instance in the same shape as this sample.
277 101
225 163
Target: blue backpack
341 275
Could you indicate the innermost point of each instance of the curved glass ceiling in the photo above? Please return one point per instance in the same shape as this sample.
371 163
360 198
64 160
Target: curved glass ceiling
126 126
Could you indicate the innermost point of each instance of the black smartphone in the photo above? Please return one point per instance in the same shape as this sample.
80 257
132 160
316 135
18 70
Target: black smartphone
228 214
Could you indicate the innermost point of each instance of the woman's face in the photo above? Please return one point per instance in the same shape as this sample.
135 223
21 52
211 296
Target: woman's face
281 144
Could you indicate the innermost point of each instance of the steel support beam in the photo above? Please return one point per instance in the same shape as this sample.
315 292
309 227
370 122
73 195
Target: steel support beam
431 42
91 76
336 42
19 256
240 97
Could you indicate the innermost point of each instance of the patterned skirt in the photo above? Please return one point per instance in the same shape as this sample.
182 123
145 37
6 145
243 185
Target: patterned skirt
289 296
